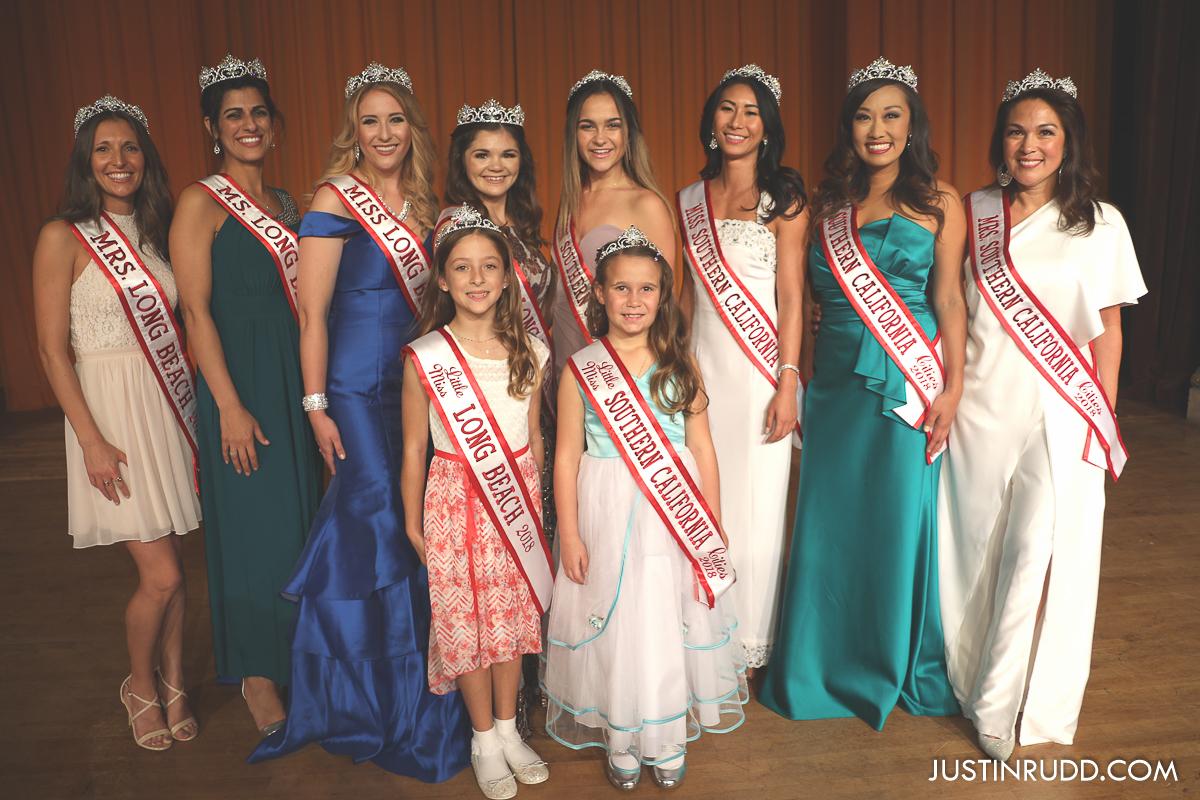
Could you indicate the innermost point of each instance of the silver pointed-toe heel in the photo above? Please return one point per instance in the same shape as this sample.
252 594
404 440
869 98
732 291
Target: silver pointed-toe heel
997 749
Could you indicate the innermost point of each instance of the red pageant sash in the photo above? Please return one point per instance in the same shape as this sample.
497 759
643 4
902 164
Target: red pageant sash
655 464
149 315
279 240
744 317
576 277
886 316
1037 334
531 317
489 460
406 255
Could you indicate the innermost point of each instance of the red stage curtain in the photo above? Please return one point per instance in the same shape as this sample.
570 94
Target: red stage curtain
57 55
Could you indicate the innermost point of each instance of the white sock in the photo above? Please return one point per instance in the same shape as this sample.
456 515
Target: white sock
488 756
516 752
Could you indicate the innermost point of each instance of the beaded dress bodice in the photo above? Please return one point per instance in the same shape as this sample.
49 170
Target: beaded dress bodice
98 321
752 235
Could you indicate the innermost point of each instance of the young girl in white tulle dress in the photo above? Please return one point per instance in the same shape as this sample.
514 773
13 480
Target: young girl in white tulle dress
634 662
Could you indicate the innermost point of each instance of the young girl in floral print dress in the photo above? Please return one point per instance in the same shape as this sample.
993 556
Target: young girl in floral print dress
485 613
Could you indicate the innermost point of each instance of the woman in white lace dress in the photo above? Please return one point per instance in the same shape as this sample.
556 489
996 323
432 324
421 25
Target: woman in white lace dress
755 205
129 460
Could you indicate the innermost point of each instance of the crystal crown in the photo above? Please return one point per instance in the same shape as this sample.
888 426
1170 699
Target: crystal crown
109 103
231 68
601 75
882 68
491 111
631 237
757 73
464 217
1039 80
377 73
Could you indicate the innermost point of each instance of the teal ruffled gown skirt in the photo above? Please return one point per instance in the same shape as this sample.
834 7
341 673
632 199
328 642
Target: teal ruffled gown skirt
860 629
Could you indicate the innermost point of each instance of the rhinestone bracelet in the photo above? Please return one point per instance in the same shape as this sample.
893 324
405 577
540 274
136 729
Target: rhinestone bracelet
313 402
782 367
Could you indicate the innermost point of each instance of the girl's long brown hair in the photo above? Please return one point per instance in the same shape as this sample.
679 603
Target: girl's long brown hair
676 383
82 199
437 310
521 205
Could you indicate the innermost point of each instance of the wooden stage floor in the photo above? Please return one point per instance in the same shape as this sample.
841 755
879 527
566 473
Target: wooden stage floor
62 657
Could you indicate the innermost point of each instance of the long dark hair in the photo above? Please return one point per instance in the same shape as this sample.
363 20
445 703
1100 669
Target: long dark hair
438 309
668 337
783 184
521 206
848 181
82 199
1079 182
213 97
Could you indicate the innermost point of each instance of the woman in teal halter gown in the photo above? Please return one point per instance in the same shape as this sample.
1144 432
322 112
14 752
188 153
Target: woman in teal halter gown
860 631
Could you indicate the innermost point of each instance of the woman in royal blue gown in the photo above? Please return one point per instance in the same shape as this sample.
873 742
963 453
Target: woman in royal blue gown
359 641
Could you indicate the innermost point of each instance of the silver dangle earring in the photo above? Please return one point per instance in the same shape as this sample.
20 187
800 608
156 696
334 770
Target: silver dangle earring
1002 176
216 148
764 141
909 142
712 145
357 153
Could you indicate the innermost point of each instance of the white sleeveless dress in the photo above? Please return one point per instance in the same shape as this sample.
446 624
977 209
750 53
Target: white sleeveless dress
754 475
132 414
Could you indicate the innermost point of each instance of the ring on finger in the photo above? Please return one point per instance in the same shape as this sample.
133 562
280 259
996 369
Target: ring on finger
108 483
120 480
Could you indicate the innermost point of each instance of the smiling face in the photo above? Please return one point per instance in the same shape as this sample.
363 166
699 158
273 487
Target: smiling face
243 128
474 275
492 162
737 123
600 134
1034 142
630 294
881 127
118 164
384 136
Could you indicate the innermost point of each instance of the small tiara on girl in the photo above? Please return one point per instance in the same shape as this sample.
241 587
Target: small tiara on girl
757 73
882 68
600 75
231 68
631 237
377 73
1038 80
465 217
109 103
491 111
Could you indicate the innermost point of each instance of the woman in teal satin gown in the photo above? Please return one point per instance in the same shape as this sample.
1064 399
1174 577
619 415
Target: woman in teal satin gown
860 631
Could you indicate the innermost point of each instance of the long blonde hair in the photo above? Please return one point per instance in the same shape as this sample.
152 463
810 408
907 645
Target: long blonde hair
420 165
636 162
437 310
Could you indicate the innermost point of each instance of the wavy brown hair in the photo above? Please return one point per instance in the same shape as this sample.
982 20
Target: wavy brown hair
420 164
82 200
677 371
437 310
1078 188
636 162
847 181
521 204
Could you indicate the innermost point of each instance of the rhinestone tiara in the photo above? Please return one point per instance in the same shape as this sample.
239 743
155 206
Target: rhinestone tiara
882 68
465 217
757 73
109 103
377 73
632 237
491 111
600 75
1039 80
231 68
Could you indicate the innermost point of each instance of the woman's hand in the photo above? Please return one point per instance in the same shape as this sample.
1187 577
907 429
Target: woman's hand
937 421
101 460
239 430
782 410
573 557
329 440
418 543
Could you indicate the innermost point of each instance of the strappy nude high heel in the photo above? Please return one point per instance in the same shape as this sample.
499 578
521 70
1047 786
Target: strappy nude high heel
146 705
178 693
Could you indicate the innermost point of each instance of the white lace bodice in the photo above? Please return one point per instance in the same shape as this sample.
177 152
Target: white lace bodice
751 235
511 414
97 320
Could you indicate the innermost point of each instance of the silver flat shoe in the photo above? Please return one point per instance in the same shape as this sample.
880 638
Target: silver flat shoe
997 749
618 777
668 778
